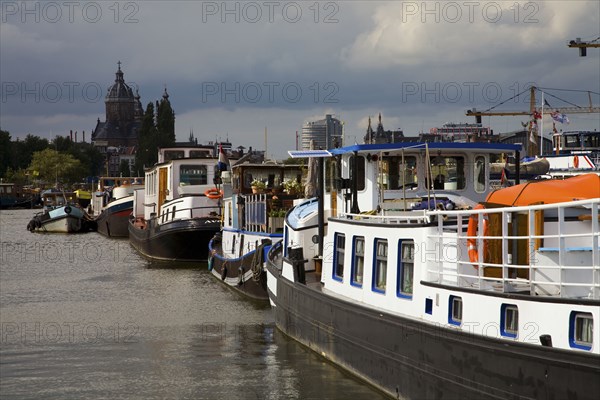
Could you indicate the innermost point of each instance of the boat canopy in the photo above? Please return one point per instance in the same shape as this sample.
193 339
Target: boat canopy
586 186
483 146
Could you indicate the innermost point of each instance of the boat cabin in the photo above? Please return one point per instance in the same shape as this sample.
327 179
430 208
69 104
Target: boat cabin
52 199
261 194
176 179
113 188
575 141
401 176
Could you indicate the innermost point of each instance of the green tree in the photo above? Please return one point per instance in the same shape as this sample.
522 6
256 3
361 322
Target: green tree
124 168
5 151
147 153
294 161
49 165
62 143
19 176
165 123
90 157
21 151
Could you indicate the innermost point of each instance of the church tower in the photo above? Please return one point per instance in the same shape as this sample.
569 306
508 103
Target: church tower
120 102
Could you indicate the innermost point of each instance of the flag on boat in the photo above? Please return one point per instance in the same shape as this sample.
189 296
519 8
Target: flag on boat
533 131
558 117
504 177
223 162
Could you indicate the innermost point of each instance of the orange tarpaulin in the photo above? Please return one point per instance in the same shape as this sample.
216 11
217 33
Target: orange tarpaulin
579 187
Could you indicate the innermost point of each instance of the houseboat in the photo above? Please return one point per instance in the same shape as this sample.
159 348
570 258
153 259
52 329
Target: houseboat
112 204
14 196
254 207
61 213
574 153
178 211
431 298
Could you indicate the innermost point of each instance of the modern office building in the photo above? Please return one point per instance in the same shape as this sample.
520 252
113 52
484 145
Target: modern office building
326 133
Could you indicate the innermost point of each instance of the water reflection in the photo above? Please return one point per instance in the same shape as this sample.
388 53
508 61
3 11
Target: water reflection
83 316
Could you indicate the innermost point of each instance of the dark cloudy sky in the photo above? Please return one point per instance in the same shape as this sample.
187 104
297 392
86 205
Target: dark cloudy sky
234 68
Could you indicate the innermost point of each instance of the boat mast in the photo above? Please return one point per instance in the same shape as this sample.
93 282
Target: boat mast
321 207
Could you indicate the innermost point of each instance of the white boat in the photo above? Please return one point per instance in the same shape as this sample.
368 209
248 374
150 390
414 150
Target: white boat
574 153
176 214
112 204
423 304
61 214
252 223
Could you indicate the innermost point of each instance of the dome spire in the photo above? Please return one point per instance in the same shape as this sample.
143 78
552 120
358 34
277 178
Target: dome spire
119 73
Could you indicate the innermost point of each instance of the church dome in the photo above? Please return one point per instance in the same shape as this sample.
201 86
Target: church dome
119 91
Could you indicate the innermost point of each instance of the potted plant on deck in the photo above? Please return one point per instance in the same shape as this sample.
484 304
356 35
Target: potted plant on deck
276 218
292 186
258 186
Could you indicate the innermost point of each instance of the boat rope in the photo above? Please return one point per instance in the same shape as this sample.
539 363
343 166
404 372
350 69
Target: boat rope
257 262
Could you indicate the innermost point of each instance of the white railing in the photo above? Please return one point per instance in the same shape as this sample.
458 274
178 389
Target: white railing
404 218
256 212
551 250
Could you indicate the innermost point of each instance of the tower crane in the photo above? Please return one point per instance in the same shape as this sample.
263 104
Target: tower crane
583 46
532 149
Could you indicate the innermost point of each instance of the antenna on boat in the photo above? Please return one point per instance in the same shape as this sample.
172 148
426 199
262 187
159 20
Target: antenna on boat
428 160
403 179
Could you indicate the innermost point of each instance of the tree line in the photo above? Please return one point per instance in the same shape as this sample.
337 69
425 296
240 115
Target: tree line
34 158
157 131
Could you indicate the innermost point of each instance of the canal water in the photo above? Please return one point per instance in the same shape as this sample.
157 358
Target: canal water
84 316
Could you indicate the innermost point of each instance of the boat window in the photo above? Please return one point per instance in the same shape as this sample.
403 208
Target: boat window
509 320
448 173
360 172
173 154
581 330
455 310
592 139
358 260
230 213
193 175
479 174
393 174
338 262
380 265
331 173
572 140
199 154
406 268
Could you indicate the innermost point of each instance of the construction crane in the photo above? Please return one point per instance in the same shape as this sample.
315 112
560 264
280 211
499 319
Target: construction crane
532 149
583 46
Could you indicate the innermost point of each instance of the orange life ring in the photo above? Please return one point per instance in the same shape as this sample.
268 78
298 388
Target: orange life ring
214 193
472 235
576 162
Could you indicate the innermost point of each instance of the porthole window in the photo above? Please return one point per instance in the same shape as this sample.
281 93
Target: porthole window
509 321
581 330
455 310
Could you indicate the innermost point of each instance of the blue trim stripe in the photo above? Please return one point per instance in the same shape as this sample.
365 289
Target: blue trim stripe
274 235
